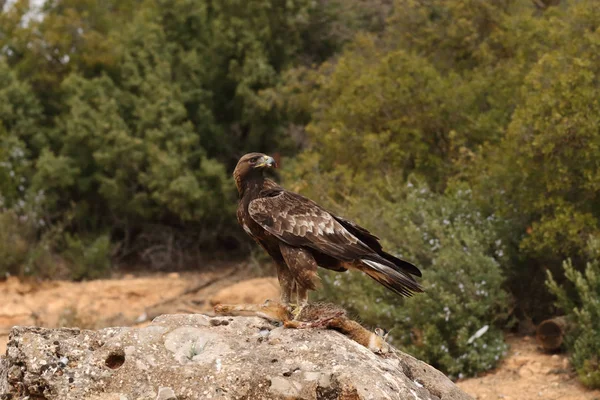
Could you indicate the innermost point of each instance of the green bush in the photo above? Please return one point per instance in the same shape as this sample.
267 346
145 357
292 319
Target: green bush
542 177
43 258
390 106
458 252
19 114
88 259
53 255
26 252
14 244
501 95
580 300
129 116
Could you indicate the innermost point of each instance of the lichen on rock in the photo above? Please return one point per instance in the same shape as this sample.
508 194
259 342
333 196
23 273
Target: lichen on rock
200 357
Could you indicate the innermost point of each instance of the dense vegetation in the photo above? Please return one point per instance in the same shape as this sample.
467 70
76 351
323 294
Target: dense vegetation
498 98
123 119
463 132
581 302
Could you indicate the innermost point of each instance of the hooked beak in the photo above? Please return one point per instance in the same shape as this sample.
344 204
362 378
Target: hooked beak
266 161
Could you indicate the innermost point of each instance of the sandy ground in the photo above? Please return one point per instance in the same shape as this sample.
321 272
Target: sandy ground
526 374
127 301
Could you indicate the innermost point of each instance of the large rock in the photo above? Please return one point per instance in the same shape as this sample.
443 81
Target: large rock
199 357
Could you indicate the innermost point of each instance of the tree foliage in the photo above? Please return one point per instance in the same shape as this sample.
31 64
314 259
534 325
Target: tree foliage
542 177
124 117
580 300
498 95
495 97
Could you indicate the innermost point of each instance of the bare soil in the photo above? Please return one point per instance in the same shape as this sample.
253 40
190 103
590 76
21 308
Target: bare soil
127 301
527 373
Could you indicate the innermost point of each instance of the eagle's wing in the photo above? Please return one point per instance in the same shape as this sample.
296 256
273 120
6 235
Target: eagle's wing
373 242
300 222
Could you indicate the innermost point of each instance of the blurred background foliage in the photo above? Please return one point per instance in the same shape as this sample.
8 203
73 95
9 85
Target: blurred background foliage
125 118
578 297
464 132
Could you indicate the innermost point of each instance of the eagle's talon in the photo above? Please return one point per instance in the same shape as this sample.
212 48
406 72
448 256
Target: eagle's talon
296 310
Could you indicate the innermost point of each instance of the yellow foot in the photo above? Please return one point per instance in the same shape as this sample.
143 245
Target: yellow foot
296 309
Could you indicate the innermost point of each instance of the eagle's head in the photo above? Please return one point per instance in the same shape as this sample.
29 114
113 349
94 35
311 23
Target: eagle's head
252 165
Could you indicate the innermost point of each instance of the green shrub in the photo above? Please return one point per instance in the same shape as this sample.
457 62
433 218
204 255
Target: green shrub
24 251
456 324
14 244
88 259
542 177
129 116
581 302
52 254
43 260
498 94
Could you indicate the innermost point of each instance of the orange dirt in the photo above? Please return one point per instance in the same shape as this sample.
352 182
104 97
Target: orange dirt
126 301
528 373
251 291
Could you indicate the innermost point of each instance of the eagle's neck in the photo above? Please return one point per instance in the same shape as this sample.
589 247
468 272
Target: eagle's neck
251 189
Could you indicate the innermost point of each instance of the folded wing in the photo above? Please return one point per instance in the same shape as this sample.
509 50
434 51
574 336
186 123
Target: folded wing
300 222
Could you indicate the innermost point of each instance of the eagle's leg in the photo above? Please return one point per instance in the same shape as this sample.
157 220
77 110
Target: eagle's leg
286 283
303 268
302 296
301 300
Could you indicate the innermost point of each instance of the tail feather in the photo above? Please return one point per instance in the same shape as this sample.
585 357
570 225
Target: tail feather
378 255
397 281
402 265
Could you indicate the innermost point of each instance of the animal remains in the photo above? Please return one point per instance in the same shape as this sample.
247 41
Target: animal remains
315 315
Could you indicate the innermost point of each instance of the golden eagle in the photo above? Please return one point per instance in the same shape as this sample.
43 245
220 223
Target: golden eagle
300 235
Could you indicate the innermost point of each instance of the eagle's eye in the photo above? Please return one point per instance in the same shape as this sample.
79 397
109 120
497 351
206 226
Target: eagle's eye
253 160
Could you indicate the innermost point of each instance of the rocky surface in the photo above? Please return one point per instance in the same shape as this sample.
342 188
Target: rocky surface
202 357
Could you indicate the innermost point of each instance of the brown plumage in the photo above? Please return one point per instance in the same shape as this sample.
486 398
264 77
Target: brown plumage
300 235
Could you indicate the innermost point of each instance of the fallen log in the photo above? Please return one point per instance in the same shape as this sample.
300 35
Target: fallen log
550 333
